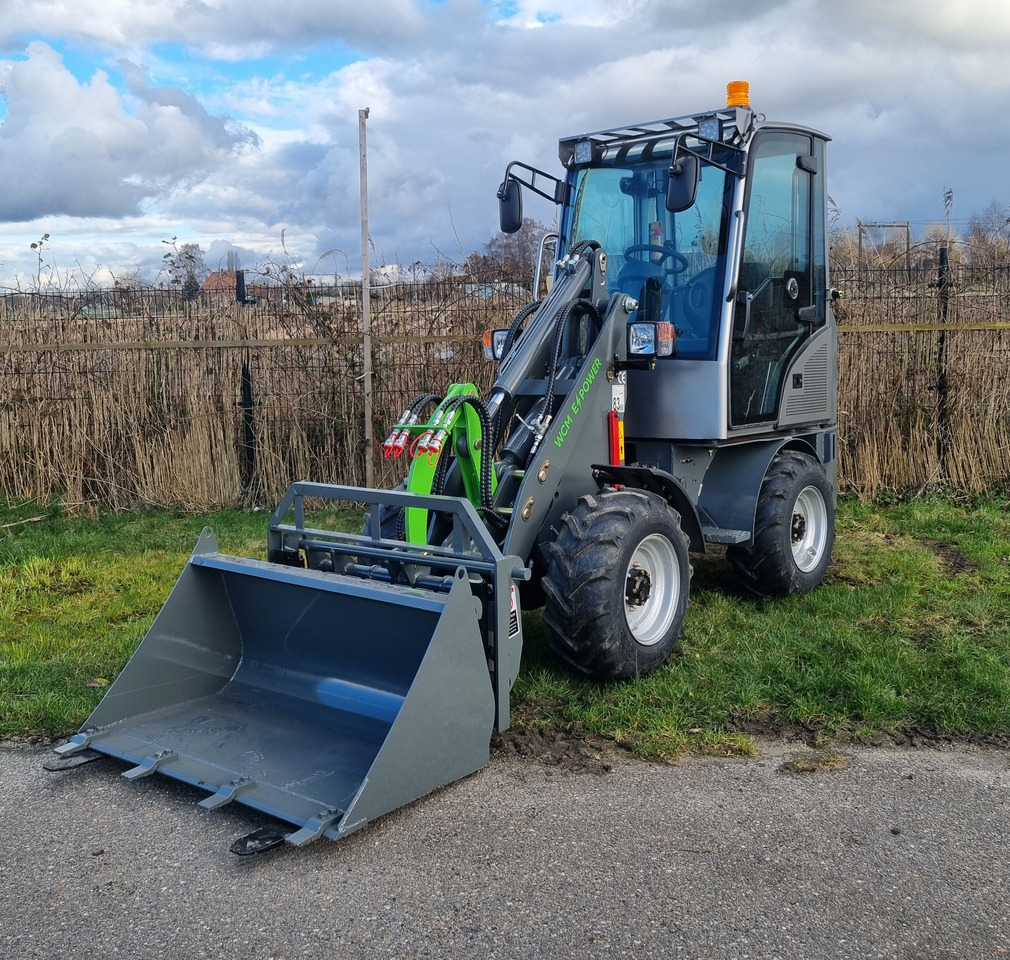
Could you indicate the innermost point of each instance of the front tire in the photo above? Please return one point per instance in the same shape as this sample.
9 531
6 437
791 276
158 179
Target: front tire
617 585
794 529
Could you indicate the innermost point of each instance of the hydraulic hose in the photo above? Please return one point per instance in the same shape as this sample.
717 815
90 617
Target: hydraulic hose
441 467
576 271
516 326
416 405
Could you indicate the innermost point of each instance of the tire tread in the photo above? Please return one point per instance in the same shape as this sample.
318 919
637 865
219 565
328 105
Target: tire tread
587 635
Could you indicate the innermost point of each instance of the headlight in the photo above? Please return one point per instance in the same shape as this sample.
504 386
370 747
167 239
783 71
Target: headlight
642 339
650 339
494 344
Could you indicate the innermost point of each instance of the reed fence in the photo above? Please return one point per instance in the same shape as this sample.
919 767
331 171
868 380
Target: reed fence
114 399
924 394
118 401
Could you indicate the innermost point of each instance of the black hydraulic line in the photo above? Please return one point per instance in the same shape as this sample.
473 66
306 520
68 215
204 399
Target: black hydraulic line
513 334
418 403
516 326
559 332
576 269
582 246
555 357
441 469
486 496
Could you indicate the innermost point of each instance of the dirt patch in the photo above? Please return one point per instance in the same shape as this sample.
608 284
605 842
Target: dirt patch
554 748
30 740
765 721
943 740
770 727
954 562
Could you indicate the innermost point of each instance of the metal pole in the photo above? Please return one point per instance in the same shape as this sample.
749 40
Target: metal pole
908 251
942 383
366 298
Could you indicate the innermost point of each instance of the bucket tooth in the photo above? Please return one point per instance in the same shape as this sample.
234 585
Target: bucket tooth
226 793
314 828
149 765
79 741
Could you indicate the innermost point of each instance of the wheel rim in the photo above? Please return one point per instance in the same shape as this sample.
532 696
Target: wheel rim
654 571
809 529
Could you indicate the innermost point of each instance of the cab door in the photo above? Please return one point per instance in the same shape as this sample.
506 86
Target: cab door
780 299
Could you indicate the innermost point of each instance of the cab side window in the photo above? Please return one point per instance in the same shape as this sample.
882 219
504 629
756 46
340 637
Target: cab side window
777 306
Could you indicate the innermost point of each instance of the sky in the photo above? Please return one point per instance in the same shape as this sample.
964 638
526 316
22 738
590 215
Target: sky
234 125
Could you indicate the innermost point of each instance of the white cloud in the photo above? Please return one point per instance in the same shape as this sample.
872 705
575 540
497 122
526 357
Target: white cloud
230 29
911 92
71 147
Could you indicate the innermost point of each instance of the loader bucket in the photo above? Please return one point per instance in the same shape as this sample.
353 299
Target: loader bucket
322 700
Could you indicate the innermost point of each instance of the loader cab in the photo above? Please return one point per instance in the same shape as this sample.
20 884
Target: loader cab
740 272
780 300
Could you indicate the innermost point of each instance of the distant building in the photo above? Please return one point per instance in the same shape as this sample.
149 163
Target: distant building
221 283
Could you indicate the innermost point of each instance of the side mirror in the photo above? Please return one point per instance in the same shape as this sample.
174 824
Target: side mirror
682 184
510 205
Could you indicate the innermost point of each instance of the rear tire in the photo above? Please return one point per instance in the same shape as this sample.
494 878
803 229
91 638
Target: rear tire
794 529
617 585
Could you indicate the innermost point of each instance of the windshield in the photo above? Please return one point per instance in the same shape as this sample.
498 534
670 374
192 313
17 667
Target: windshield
624 209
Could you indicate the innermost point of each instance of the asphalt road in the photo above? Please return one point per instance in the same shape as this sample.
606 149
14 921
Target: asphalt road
901 854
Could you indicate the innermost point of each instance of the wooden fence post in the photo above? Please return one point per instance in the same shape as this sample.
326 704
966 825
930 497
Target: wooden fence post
366 304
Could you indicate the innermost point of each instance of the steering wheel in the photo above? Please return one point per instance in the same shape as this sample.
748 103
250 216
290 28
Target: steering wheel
665 252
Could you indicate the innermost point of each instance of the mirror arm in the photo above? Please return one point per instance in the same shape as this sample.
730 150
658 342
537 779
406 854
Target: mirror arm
557 194
708 157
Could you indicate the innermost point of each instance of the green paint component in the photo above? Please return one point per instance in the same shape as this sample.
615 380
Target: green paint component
463 434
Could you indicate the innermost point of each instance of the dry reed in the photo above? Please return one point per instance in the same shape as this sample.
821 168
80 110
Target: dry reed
141 403
925 404
138 400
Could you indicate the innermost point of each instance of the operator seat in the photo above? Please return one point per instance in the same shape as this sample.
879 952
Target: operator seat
642 280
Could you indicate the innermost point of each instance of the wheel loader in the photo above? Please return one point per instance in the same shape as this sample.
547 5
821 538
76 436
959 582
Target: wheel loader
674 389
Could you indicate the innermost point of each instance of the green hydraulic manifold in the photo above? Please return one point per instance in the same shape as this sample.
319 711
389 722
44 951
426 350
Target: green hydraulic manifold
454 428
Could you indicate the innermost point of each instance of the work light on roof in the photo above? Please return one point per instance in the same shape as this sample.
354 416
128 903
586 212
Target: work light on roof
710 128
584 151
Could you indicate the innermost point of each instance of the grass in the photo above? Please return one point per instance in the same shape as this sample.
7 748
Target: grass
911 631
77 596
